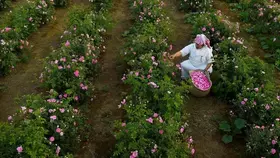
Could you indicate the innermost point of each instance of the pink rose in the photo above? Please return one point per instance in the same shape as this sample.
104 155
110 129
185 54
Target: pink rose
134 154
10 118
7 29
267 107
203 29
58 130
62 110
76 98
155 115
182 129
57 150
123 124
76 73
193 151
160 120
123 101
53 117
19 149
273 151
150 120
52 139
160 131
67 44
273 142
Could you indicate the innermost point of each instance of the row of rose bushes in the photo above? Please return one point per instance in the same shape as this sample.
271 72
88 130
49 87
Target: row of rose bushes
4 4
246 82
264 19
18 25
195 5
50 126
152 124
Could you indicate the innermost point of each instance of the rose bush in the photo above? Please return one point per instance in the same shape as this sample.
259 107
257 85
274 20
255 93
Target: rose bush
49 126
211 24
264 19
264 140
195 5
68 70
4 4
152 126
17 26
247 83
61 3
43 127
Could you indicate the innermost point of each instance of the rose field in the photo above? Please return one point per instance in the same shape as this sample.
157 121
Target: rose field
94 79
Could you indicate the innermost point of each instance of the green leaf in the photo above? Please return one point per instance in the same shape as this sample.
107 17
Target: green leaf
239 123
267 55
224 125
227 139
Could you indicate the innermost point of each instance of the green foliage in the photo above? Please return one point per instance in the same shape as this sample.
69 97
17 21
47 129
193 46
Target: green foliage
61 3
148 10
264 19
247 82
237 71
195 5
4 4
33 126
263 141
17 26
227 139
68 69
224 126
154 96
239 123
50 126
231 129
101 5
211 25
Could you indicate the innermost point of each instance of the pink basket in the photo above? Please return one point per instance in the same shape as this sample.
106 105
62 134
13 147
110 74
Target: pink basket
198 91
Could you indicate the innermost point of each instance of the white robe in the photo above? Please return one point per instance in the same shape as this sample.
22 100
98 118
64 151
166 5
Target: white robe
198 60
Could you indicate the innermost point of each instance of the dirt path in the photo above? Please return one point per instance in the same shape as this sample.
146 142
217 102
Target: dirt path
24 78
103 111
203 112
